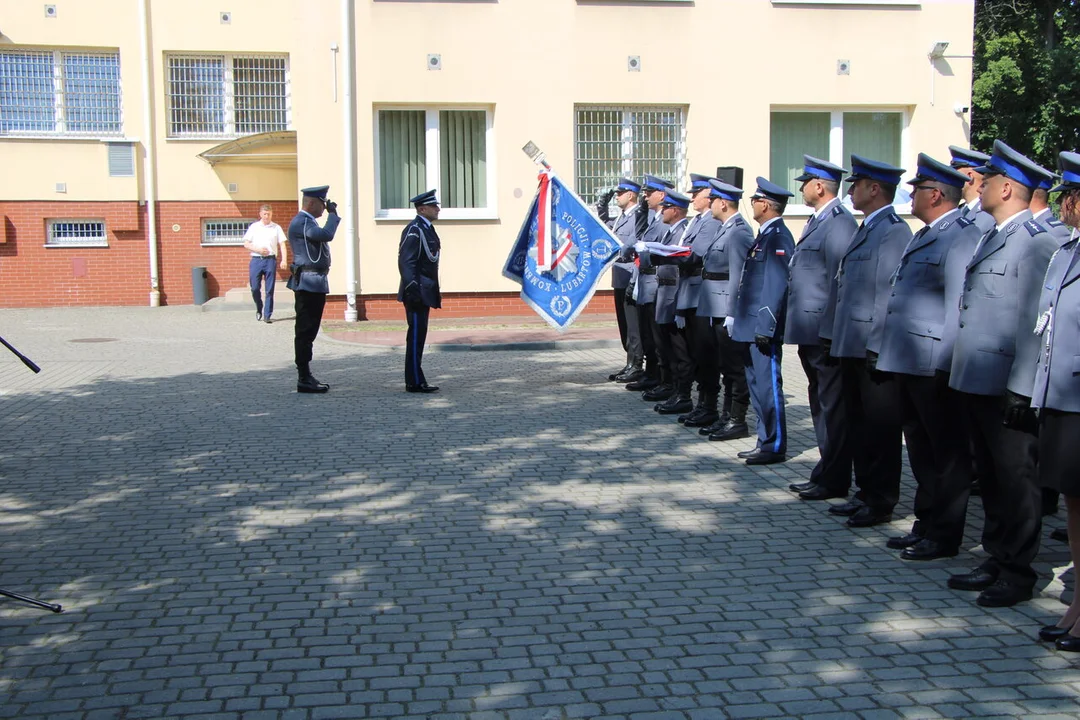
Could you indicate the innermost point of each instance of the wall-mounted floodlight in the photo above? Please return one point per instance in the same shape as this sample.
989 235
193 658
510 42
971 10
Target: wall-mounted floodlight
937 50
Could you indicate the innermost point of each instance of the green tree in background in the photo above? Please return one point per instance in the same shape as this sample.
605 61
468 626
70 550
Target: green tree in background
1026 87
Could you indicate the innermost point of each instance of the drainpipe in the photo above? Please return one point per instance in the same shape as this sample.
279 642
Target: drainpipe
149 143
352 264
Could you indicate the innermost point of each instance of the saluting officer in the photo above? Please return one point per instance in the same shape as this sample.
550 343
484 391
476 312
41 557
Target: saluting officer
418 264
862 295
992 367
1057 388
810 313
722 269
310 245
968 162
917 347
760 307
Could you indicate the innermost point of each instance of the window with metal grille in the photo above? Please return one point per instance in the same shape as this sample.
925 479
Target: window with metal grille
615 142
216 96
446 149
76 233
60 92
224 232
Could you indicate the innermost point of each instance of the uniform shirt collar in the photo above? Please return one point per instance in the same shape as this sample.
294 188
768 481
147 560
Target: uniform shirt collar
944 217
305 212
731 219
1009 220
827 206
871 216
767 223
423 221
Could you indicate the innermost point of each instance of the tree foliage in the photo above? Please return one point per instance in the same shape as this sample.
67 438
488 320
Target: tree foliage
1027 76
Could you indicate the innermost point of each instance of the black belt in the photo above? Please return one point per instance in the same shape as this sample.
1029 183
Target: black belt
666 281
651 270
687 272
311 268
706 275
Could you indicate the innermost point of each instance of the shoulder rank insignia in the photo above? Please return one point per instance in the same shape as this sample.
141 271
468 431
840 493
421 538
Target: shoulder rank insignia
944 225
739 220
1053 222
894 218
964 222
1034 228
838 210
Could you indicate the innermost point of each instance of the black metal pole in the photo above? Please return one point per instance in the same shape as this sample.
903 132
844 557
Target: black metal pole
26 361
32 601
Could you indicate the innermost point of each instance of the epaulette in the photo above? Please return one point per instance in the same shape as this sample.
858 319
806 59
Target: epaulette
1053 222
838 210
964 222
894 218
739 220
1034 228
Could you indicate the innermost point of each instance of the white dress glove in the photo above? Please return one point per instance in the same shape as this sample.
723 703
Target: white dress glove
639 247
680 321
729 324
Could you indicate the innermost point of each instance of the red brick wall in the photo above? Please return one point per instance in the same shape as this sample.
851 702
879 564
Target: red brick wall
458 305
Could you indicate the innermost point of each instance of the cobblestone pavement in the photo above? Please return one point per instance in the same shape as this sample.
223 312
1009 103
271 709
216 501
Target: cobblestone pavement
532 543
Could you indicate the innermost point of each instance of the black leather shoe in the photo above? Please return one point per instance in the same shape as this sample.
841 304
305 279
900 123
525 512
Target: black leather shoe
258 316
733 431
765 457
1068 643
846 509
625 369
903 542
1004 594
676 407
310 385
633 375
977 579
717 426
267 320
660 392
697 410
1050 633
747 453
1061 535
422 388
927 549
646 383
702 419
868 517
802 487
820 492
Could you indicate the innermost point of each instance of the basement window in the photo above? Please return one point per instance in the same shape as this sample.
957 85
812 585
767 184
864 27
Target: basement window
76 233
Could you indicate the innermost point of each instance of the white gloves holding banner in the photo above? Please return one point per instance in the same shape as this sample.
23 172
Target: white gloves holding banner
639 247
729 324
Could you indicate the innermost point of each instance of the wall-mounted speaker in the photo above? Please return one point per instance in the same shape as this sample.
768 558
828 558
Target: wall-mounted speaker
730 174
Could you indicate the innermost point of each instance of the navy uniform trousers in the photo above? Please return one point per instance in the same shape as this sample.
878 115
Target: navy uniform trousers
875 423
828 412
417 317
766 386
309 312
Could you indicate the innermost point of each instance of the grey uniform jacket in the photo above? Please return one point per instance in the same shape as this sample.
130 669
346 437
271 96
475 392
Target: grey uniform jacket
310 246
645 282
725 256
624 230
996 347
863 284
925 297
982 219
812 275
1057 376
665 294
699 235
1061 232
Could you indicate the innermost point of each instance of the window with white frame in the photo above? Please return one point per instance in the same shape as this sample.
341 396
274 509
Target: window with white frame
834 135
448 149
60 92
224 232
76 233
614 142
216 96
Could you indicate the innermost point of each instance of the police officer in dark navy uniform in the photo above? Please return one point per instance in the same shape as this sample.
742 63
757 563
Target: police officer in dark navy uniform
811 308
760 309
992 368
310 245
916 348
418 264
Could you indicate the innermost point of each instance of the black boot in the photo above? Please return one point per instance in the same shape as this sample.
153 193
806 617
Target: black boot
707 415
634 373
306 382
736 427
698 407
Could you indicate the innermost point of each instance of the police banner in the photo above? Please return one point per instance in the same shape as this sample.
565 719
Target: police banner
560 253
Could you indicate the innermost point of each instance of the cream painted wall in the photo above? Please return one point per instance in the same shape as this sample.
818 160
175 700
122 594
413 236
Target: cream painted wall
728 63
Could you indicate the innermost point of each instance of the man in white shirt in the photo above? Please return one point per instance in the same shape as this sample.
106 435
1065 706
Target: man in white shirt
267 244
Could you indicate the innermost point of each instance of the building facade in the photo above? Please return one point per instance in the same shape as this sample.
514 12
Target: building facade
139 137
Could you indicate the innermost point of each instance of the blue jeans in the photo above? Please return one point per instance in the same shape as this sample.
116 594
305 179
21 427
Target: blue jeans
259 268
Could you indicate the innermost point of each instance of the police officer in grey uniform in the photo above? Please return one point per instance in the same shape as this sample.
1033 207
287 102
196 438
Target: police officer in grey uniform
641 292
992 368
310 246
722 269
1057 388
862 295
968 163
916 347
811 307
626 195
675 368
760 309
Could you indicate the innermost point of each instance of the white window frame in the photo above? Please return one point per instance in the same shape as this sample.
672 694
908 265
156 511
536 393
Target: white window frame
855 3
434 171
795 206
239 242
59 118
627 167
102 242
227 88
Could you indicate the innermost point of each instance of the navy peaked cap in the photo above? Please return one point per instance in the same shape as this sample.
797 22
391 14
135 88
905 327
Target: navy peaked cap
628 185
725 191
1069 164
699 182
963 157
316 192
931 169
866 169
655 183
1006 161
675 199
818 169
424 198
766 189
